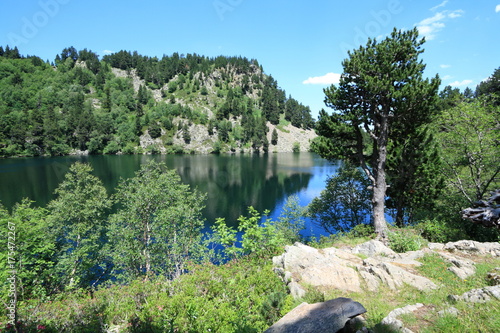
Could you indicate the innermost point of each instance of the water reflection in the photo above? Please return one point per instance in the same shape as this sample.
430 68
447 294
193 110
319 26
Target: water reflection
232 182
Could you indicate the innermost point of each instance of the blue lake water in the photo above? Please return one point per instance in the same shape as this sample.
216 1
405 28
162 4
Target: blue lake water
232 182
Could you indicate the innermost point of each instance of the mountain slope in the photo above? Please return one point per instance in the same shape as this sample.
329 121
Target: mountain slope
128 103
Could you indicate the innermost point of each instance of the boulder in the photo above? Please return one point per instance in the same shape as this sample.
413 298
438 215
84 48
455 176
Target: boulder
462 268
473 247
392 276
327 268
330 316
372 248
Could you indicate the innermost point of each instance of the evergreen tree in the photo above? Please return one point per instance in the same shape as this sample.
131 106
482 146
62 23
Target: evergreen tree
274 137
380 89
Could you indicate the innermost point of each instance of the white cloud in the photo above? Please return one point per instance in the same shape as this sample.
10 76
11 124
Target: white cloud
456 13
460 83
442 4
430 26
497 9
445 66
447 77
330 78
107 52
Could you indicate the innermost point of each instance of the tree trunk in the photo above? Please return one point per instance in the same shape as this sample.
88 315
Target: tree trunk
378 203
380 185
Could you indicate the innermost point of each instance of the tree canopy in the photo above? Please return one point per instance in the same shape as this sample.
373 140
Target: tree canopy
382 96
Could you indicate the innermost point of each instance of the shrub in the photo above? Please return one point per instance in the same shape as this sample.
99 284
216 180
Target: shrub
296 147
362 230
436 231
404 240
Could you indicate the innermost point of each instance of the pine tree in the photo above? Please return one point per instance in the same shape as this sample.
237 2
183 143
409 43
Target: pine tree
274 137
381 96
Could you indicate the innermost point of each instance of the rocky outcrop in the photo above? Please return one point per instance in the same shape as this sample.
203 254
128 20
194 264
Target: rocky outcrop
371 265
473 247
333 268
330 316
349 269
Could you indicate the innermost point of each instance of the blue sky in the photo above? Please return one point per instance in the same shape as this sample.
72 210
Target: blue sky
301 43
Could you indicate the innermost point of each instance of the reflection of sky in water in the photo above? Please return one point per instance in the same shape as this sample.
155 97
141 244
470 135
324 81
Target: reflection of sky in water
317 184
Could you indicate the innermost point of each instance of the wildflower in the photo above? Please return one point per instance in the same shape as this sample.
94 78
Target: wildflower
40 327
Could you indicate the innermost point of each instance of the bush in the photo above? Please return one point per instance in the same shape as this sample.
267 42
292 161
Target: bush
243 295
404 240
436 231
296 147
362 230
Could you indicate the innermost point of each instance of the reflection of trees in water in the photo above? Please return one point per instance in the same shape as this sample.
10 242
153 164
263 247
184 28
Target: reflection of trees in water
233 182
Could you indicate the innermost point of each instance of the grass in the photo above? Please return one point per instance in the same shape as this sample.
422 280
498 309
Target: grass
471 317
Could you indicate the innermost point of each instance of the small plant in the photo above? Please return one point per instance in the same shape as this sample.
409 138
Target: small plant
296 147
404 240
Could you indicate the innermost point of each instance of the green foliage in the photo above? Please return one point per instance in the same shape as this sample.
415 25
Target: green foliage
82 105
381 93
490 88
296 147
157 227
405 239
344 203
260 238
77 223
291 221
414 174
468 139
274 137
154 130
240 296
257 239
32 251
439 232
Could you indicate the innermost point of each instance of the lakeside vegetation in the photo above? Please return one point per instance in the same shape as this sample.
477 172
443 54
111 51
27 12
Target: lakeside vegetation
146 266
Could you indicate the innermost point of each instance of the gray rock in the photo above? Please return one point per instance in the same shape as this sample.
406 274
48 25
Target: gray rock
396 324
449 312
436 246
333 268
481 295
373 247
329 316
473 247
392 276
327 268
462 268
494 276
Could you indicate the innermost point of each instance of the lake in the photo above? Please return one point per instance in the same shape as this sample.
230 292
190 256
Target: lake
232 182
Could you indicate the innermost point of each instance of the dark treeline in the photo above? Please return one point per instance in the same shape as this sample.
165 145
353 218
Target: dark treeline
78 103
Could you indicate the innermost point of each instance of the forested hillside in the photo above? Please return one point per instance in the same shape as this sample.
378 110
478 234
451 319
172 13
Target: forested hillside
130 103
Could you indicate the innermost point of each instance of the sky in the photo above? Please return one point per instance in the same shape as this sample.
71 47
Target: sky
300 43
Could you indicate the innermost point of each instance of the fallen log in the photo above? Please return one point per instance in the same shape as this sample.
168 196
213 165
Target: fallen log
485 212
